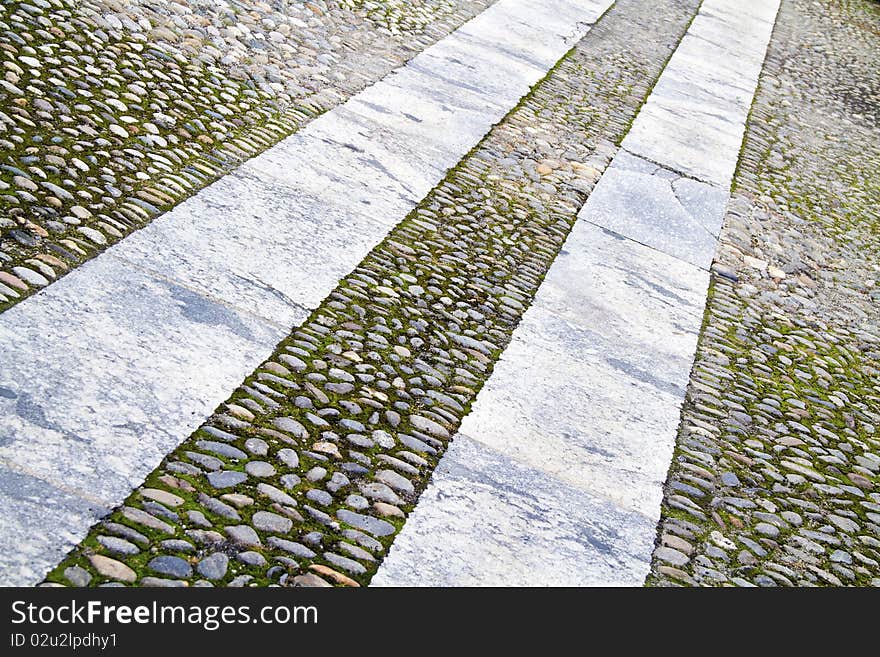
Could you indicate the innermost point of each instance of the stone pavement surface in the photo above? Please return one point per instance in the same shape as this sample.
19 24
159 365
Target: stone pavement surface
351 413
486 333
190 317
585 400
113 112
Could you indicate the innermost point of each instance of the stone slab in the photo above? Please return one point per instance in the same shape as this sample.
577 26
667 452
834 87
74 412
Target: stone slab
694 120
33 509
678 216
597 369
109 368
486 520
282 253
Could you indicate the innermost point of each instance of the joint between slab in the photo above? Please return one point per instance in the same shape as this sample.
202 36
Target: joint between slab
647 246
666 167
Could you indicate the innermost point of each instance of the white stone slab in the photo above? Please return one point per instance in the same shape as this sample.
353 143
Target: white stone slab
282 253
357 180
694 120
678 216
570 427
111 367
530 31
619 288
32 510
474 67
486 520
107 370
706 204
417 108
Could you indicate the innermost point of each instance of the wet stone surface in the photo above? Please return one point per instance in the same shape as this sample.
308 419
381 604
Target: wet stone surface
414 331
776 477
113 112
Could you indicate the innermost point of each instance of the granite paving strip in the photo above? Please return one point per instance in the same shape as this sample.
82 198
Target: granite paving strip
307 472
776 475
588 394
110 368
113 112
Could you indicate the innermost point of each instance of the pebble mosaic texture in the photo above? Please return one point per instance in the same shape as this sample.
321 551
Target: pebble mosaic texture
307 472
112 112
776 477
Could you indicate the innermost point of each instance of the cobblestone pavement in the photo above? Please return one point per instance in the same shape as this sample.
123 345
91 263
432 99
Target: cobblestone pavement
112 112
307 472
777 467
